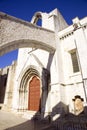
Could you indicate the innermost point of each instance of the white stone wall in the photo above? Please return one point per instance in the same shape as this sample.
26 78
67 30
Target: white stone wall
74 81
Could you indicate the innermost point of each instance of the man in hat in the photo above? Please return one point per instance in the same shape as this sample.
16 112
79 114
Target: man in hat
78 104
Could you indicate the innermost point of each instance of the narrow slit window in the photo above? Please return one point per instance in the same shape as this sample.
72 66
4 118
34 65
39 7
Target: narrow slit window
74 62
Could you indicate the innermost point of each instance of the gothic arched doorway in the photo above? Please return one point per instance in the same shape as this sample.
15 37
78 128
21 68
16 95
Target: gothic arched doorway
34 94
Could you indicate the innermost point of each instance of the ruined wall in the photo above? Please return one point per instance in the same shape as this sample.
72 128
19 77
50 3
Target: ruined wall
9 86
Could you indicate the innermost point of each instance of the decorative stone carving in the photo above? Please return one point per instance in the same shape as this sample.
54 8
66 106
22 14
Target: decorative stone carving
76 23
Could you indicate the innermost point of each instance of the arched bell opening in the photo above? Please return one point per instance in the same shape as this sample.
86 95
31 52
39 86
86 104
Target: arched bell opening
37 19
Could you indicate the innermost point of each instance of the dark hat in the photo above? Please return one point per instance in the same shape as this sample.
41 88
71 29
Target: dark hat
77 96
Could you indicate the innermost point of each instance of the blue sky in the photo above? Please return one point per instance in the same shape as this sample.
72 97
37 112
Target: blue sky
25 9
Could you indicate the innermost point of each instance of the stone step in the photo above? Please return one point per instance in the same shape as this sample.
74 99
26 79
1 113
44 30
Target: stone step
31 115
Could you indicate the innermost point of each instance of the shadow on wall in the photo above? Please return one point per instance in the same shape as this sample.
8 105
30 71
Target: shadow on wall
58 112
3 80
46 83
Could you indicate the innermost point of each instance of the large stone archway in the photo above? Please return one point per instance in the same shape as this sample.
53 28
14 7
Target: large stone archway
16 33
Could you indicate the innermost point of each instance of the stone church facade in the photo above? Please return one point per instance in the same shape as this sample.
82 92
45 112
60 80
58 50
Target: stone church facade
46 82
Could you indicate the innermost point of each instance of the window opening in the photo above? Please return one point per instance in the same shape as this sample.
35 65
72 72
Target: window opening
74 61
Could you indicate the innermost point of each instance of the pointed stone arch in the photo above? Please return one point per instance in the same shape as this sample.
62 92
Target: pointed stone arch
24 88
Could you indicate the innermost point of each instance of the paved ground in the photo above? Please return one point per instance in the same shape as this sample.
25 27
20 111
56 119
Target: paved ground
12 121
